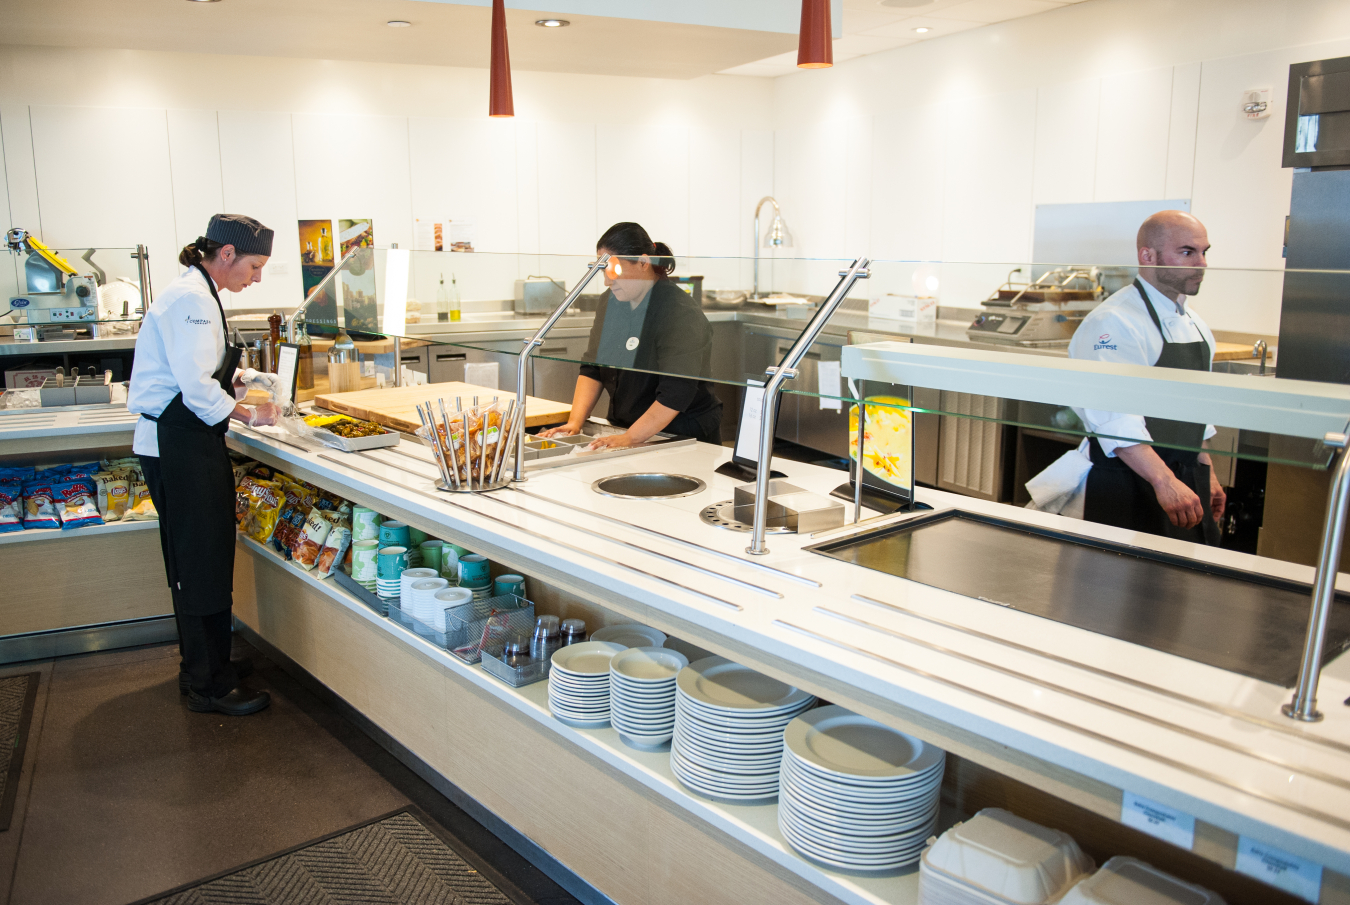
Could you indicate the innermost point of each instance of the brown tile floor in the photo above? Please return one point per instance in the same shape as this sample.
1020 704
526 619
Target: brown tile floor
126 793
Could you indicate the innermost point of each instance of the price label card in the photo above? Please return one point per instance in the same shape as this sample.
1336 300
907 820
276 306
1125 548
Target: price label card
1159 820
1295 875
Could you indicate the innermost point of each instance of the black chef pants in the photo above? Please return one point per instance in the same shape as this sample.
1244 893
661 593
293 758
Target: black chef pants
204 640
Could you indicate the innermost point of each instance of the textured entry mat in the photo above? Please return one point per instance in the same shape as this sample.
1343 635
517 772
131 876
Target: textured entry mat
17 696
392 860
1245 623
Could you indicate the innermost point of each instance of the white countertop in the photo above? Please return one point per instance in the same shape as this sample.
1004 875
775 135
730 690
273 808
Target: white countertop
1103 708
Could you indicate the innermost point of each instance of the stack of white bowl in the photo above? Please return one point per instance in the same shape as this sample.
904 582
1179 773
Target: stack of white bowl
405 583
855 794
642 694
729 721
578 683
426 609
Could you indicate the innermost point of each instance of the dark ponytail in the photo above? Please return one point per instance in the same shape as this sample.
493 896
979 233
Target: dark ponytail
630 240
203 249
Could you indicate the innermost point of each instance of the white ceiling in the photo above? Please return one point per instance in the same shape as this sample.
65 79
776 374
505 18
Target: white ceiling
871 26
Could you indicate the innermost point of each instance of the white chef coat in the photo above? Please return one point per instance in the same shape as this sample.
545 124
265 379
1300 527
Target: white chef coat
1120 329
181 344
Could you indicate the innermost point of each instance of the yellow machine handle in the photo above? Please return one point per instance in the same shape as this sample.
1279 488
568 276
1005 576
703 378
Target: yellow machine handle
49 256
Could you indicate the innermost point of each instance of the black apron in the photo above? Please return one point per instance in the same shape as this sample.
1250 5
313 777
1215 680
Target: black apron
1117 496
192 486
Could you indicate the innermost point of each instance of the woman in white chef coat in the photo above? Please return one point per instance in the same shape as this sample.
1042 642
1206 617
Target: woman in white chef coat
1159 480
183 385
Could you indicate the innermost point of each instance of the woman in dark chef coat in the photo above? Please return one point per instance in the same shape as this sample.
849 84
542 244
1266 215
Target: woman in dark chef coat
183 385
646 331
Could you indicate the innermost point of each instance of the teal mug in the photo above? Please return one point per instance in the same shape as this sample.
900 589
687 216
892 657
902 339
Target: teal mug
474 571
395 534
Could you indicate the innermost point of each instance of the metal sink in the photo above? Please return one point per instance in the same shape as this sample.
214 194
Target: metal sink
1252 368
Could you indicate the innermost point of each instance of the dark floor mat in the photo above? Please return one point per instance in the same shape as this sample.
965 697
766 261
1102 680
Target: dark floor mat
17 697
392 860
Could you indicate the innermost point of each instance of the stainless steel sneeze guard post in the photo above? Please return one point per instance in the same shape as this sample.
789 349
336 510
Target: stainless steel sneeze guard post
786 370
592 269
1304 704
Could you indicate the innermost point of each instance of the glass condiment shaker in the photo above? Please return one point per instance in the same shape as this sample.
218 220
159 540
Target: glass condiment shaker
547 637
573 631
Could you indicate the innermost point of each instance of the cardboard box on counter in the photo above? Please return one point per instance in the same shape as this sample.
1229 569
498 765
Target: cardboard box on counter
27 376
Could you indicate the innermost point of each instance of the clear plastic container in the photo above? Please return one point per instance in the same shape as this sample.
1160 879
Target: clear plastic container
998 857
1129 881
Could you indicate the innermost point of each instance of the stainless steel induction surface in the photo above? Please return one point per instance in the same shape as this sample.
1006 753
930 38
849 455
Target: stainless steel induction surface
1245 623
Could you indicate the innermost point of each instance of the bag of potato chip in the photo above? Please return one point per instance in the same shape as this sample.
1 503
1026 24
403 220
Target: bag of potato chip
312 536
264 508
39 510
334 547
299 499
77 503
142 507
11 506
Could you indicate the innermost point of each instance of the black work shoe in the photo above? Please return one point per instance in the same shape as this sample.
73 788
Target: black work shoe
243 668
240 702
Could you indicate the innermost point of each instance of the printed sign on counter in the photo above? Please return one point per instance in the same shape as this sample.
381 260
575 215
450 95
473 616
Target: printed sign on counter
829 387
1159 820
1295 875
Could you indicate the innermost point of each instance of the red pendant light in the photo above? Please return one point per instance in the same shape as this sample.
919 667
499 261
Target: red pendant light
815 47
499 98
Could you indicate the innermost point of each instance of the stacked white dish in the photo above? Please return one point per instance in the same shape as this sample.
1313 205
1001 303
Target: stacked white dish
642 694
631 634
1129 881
578 683
422 604
998 858
728 735
405 583
855 794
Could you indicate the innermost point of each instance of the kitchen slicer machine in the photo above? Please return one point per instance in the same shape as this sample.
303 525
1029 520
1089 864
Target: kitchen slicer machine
57 292
1043 312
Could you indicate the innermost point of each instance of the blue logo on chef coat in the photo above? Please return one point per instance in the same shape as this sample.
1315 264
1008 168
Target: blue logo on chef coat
1104 342
199 321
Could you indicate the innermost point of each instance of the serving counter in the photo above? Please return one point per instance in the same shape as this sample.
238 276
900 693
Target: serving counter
1063 720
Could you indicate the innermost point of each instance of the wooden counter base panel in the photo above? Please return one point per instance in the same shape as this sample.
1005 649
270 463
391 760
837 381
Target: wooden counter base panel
616 835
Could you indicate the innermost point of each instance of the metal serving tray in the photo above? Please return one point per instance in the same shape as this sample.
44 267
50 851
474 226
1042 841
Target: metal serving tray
1239 621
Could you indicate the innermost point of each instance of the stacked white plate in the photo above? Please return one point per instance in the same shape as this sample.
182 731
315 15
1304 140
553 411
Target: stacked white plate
422 605
855 794
578 683
642 694
405 583
631 634
728 736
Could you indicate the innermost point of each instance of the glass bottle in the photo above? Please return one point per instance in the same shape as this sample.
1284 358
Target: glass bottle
454 299
304 378
442 302
325 246
273 340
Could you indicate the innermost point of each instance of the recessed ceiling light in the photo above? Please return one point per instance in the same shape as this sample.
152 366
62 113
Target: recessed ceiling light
552 23
398 23
205 1
923 29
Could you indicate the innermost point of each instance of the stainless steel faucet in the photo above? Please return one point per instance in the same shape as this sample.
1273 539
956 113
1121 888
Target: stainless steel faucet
778 237
1259 351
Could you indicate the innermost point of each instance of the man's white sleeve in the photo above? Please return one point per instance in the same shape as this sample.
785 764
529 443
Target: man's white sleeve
1113 340
189 334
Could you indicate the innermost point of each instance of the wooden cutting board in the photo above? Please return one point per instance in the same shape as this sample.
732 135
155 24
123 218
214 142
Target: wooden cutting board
396 407
1232 352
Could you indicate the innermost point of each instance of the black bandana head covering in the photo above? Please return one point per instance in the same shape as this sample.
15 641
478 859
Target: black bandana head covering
248 236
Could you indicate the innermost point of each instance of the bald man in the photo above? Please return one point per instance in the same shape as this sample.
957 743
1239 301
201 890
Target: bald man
1167 488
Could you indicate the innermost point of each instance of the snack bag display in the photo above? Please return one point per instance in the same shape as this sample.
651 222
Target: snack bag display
118 499
335 547
18 473
142 507
76 503
11 506
316 531
264 508
299 500
39 508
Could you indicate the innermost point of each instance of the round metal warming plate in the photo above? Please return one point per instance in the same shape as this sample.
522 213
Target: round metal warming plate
648 486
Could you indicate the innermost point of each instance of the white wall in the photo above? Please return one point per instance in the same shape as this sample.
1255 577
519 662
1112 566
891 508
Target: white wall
116 148
1108 100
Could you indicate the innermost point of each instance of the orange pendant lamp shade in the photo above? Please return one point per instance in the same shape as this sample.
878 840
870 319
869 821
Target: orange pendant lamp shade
815 47
499 97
